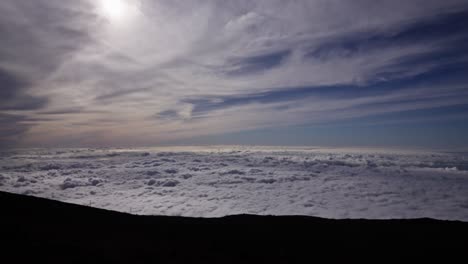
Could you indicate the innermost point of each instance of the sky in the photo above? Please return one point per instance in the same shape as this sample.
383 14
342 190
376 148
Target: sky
111 73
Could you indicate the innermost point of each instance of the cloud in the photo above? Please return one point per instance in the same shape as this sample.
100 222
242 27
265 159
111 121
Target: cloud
119 93
172 70
168 114
38 35
255 64
12 94
12 129
216 181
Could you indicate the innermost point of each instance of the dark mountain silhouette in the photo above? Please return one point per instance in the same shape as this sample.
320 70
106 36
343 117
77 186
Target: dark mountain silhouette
36 230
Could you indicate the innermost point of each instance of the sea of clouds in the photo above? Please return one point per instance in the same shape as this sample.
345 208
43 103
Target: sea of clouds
225 180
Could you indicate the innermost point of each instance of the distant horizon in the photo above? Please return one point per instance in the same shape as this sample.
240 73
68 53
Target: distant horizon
253 148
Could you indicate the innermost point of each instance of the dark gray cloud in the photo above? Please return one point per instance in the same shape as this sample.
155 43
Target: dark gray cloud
168 115
443 63
36 38
120 93
255 64
448 27
70 110
12 94
38 35
12 129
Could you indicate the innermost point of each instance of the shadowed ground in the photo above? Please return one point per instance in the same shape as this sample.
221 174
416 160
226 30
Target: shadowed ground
36 229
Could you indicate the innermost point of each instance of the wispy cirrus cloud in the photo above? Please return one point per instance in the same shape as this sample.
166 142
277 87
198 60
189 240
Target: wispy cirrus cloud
180 69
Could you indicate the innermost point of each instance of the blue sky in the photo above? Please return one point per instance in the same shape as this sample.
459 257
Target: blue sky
144 73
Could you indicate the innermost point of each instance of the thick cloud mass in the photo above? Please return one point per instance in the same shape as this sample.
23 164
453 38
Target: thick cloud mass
74 73
218 181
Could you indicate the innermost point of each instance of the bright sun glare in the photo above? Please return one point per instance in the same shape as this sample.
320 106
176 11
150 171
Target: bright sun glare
113 9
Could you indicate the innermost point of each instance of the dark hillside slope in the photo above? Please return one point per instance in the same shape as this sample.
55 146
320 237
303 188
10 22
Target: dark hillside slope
37 230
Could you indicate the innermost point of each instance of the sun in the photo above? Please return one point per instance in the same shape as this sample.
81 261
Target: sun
113 9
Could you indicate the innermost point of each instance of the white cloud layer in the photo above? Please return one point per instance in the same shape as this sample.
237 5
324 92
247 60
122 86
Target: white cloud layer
218 181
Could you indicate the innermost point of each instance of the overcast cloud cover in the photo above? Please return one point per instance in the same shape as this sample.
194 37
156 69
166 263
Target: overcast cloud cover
216 181
73 73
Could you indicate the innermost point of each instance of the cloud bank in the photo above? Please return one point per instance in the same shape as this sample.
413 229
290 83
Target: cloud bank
219 181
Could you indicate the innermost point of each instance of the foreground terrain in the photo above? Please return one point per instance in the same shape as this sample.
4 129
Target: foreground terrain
219 181
45 231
